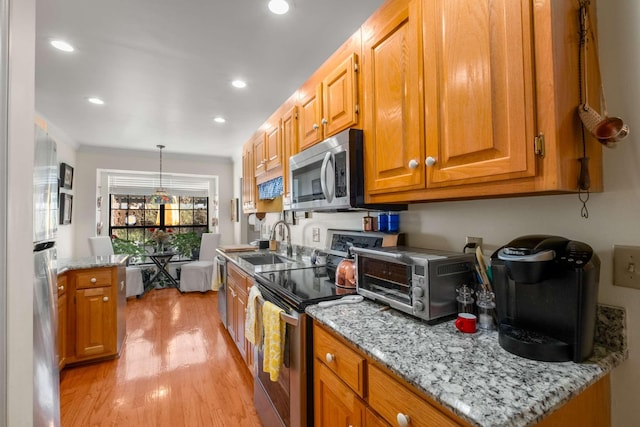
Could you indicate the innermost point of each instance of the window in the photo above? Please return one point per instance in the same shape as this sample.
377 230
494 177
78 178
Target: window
133 217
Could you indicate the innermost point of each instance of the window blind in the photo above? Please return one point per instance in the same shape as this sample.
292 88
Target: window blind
176 185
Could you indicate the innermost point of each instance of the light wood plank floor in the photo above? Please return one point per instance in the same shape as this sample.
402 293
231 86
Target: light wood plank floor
178 367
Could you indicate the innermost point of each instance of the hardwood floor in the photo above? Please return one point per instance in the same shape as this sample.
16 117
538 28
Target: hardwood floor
178 367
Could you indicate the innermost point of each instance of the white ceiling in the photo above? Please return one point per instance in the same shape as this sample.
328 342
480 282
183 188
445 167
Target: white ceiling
164 67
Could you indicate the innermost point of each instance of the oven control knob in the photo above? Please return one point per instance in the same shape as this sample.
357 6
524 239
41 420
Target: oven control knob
417 292
418 306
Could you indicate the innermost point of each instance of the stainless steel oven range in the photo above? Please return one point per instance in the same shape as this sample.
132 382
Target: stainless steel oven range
289 401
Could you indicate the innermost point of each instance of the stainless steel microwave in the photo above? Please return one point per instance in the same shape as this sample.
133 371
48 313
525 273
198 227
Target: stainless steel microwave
329 176
419 282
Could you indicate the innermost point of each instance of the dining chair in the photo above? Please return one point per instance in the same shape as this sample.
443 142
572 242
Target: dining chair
101 246
198 275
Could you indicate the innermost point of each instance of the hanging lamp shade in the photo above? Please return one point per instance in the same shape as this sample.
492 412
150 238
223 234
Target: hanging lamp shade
160 196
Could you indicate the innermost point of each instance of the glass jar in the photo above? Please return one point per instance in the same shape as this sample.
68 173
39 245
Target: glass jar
394 222
383 221
465 299
486 307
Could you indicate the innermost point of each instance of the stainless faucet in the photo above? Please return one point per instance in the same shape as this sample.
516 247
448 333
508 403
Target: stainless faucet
273 236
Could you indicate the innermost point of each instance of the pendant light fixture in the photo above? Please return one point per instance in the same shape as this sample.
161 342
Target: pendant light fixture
160 196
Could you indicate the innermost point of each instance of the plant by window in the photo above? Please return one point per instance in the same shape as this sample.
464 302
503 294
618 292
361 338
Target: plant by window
125 247
186 243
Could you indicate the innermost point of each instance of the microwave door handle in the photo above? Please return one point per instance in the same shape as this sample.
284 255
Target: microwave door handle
327 190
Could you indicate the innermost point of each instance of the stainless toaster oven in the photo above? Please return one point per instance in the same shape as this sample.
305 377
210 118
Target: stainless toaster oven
419 282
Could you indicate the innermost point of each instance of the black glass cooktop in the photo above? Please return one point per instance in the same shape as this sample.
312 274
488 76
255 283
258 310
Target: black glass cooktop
302 287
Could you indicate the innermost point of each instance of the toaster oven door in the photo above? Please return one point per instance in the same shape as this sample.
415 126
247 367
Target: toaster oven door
385 280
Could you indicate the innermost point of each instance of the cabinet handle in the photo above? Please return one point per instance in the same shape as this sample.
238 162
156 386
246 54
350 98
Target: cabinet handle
413 163
61 288
93 280
105 299
330 357
430 161
315 126
324 121
403 419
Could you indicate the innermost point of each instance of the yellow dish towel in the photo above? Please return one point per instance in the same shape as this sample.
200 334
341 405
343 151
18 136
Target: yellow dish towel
250 318
274 333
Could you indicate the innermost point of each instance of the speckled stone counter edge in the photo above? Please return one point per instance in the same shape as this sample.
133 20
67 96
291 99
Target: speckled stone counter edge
66 264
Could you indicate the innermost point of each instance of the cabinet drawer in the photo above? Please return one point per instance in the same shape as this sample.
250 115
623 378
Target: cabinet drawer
62 284
390 398
93 278
238 277
341 359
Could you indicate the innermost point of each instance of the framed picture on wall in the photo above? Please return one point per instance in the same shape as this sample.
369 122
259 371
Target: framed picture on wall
66 176
66 206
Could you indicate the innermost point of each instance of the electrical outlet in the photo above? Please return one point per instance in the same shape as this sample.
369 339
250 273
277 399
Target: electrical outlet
316 234
476 240
626 266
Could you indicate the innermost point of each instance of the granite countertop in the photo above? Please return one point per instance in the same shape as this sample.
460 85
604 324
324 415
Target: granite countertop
65 264
470 374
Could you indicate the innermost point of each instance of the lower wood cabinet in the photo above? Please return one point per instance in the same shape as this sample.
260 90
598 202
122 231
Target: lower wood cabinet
351 389
238 284
63 323
88 314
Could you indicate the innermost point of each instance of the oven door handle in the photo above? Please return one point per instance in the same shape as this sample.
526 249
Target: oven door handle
397 256
288 319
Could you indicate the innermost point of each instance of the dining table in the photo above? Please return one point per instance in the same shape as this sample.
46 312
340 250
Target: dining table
162 278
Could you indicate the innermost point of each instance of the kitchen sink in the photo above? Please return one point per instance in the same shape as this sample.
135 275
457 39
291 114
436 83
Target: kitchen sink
265 259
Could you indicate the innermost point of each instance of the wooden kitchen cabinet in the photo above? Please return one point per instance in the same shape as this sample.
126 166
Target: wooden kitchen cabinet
289 147
476 101
248 179
93 314
259 154
237 286
63 323
335 404
329 101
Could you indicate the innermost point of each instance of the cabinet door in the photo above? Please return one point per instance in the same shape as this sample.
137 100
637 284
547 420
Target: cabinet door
479 89
231 310
95 322
63 329
259 155
241 311
248 179
273 147
372 420
335 405
310 114
340 97
289 145
394 146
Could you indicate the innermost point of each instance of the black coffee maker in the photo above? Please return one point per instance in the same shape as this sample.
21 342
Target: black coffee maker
546 291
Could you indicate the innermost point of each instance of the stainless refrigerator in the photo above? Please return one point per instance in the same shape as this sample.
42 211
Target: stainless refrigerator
46 380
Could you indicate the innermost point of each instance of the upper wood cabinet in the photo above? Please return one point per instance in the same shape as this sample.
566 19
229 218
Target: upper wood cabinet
289 131
248 179
259 154
329 101
494 100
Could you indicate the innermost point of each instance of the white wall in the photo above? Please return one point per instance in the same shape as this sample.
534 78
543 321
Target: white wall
614 215
19 219
88 160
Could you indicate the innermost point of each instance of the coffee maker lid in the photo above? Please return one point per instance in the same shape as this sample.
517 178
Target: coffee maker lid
532 248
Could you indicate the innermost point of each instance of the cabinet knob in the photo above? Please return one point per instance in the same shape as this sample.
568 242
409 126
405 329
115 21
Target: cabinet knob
315 126
324 121
105 299
93 280
430 161
330 357
413 163
403 419
61 288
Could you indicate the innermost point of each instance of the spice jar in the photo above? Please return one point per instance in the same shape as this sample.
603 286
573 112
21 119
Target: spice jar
465 299
486 306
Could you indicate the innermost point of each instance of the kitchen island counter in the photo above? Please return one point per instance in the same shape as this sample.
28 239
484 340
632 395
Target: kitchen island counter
470 374
82 263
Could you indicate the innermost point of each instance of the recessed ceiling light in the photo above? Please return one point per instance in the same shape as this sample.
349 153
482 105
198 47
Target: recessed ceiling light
279 7
62 45
239 84
96 101
219 119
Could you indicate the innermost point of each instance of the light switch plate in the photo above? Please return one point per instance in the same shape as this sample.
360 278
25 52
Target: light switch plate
626 266
316 234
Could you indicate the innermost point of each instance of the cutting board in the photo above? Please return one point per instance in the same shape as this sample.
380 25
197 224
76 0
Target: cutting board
237 248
